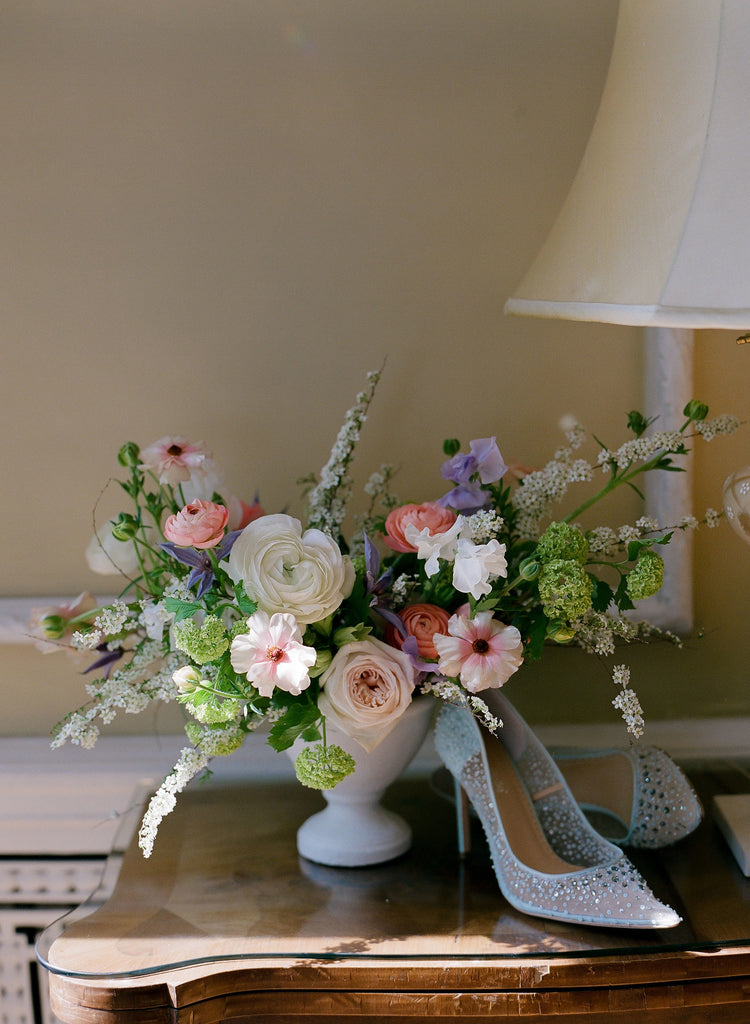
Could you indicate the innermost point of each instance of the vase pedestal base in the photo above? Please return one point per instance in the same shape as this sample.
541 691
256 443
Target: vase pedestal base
351 836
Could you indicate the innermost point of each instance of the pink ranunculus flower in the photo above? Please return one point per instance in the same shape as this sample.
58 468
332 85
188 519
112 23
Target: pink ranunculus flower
366 689
422 621
284 569
482 652
271 654
175 460
430 516
198 525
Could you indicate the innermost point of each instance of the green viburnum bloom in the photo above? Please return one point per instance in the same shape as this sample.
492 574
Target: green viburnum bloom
565 589
561 540
215 741
203 643
322 767
214 711
646 578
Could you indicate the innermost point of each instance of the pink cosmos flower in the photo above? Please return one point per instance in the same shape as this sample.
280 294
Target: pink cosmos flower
482 652
174 460
271 654
198 525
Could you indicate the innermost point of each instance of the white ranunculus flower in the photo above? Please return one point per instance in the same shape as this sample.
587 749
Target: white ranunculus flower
108 556
366 689
286 570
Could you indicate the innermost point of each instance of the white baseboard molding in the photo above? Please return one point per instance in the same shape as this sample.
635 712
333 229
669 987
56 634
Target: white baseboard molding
71 801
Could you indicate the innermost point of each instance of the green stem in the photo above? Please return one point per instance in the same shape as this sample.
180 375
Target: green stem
625 477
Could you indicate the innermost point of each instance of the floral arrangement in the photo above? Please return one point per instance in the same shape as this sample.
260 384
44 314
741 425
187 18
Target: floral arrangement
249 619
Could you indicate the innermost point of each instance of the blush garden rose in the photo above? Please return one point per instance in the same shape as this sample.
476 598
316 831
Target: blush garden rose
366 689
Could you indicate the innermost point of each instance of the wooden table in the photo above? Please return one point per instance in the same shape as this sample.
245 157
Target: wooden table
225 923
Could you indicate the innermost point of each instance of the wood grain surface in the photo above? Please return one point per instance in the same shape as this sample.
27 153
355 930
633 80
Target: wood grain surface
227 923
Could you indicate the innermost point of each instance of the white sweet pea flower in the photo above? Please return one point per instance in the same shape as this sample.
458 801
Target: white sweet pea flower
476 565
108 556
432 547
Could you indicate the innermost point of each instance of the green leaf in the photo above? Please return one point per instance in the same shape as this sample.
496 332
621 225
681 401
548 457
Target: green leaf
637 422
537 634
182 609
245 604
296 721
622 600
635 547
601 596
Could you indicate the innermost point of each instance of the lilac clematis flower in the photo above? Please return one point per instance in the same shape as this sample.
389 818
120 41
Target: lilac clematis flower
106 660
201 566
377 585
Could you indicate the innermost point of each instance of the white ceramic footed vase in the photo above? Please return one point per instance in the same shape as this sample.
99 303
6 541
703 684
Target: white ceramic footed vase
353 830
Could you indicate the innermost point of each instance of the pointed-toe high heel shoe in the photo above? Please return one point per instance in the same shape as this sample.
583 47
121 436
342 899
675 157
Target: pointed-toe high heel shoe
549 862
634 796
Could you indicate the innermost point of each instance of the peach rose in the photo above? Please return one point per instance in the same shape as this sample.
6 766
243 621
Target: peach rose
198 525
421 621
430 515
366 689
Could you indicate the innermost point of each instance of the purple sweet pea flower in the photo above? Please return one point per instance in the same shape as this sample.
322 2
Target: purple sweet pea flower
484 459
466 498
201 565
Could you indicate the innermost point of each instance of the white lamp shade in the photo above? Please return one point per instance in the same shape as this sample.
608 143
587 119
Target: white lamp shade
656 227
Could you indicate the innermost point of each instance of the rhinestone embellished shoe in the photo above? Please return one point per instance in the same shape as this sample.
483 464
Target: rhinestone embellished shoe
635 796
548 860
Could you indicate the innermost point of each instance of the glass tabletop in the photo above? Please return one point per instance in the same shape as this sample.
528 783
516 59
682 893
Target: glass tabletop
225 883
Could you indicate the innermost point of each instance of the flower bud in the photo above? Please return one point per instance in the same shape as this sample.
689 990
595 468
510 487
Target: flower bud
129 454
187 679
560 631
52 627
126 527
451 446
695 410
528 569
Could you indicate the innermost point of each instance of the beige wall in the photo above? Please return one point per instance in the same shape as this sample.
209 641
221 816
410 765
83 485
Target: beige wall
217 216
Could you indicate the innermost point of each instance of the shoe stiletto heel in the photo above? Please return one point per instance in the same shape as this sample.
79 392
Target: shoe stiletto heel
548 860
463 820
